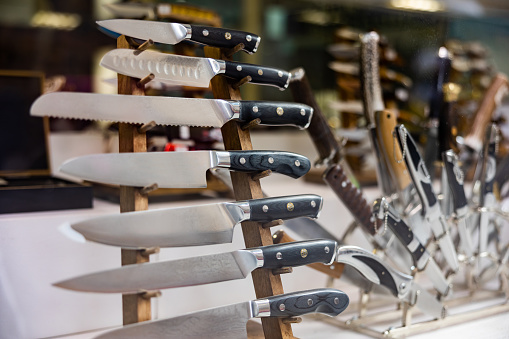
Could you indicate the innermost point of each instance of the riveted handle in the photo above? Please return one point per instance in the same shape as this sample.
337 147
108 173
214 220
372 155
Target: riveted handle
327 301
290 164
286 207
259 74
276 113
225 38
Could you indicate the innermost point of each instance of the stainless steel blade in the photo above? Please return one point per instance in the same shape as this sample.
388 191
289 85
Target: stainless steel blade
168 68
465 235
167 274
170 227
166 169
227 322
436 276
427 302
441 232
134 109
164 32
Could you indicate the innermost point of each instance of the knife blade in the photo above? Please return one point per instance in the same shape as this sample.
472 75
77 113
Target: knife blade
192 225
399 284
430 211
173 33
422 259
229 321
179 169
203 269
188 71
169 110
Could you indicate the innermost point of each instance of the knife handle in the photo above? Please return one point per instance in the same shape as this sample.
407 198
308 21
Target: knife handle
327 301
455 178
287 207
276 113
225 38
290 164
299 253
259 74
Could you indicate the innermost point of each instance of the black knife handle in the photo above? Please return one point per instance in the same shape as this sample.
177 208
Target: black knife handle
455 178
327 301
290 164
225 38
443 67
259 74
276 113
381 272
287 207
299 253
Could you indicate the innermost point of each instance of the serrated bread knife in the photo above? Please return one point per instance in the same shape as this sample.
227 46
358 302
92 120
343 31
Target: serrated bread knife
229 322
188 71
179 169
173 33
203 269
193 225
169 110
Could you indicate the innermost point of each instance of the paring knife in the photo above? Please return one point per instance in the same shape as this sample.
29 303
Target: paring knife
173 33
229 322
203 269
169 110
430 212
189 71
179 169
193 225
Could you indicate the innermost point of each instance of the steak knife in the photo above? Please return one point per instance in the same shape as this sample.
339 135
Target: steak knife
431 212
229 322
192 225
179 169
173 33
169 110
203 269
188 71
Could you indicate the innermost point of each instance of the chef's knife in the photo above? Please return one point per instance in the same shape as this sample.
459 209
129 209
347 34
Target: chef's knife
399 284
173 33
188 71
179 169
422 259
203 269
169 110
431 212
229 322
192 225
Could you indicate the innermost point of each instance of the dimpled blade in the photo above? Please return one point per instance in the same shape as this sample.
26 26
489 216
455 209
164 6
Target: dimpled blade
164 32
167 68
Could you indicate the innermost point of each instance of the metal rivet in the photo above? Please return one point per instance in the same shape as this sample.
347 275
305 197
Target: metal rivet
265 208
303 252
290 206
279 111
242 160
205 32
302 112
249 37
402 286
336 300
239 68
343 184
227 35
310 302
260 72
313 203
372 219
255 109
297 163
383 272
327 249
271 160
279 256
280 74
282 307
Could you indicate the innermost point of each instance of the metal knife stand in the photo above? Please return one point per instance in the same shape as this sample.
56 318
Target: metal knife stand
247 186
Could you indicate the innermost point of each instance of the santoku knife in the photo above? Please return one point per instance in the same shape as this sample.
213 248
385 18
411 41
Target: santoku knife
188 71
169 110
203 269
179 169
229 322
173 33
193 225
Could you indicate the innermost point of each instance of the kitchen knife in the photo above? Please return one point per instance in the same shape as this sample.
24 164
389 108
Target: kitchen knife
423 261
169 110
173 33
203 269
399 284
188 71
455 178
192 225
430 211
179 169
229 322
